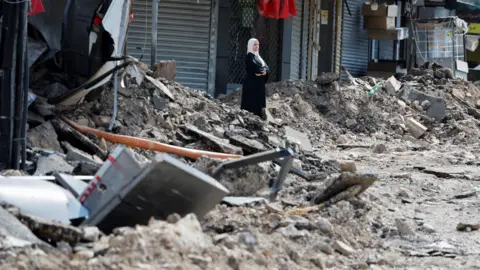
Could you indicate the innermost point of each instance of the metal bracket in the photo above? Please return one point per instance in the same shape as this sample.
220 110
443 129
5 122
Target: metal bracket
282 157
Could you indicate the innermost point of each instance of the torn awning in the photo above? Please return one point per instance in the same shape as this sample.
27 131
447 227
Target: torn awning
277 9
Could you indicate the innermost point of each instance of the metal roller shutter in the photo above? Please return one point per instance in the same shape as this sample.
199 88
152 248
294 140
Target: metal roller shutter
183 36
296 41
354 40
303 52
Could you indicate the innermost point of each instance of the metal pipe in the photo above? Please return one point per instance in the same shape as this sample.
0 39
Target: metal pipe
338 40
123 32
153 51
9 34
23 133
20 87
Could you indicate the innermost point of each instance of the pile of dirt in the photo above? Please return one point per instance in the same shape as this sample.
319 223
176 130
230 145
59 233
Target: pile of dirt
327 109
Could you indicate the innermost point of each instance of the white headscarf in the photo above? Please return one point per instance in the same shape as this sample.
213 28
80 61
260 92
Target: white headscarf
250 49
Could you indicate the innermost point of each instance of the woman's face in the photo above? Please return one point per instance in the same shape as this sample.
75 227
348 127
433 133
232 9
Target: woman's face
256 45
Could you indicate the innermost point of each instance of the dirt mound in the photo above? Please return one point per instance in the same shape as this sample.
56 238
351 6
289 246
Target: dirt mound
327 108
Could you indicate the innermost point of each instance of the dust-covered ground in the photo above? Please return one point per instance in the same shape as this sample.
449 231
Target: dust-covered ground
421 213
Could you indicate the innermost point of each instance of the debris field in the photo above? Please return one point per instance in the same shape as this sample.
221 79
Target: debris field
389 177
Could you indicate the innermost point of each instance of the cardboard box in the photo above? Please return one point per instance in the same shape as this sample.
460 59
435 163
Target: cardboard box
372 9
400 33
379 22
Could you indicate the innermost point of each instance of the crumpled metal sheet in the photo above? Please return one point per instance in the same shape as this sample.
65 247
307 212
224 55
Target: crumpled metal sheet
40 198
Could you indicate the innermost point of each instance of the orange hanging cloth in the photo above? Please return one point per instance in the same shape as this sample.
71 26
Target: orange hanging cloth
277 9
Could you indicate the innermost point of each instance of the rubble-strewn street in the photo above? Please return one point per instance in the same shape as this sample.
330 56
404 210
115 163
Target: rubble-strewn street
390 177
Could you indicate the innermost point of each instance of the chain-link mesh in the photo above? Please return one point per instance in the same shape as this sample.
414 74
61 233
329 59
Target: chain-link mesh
245 23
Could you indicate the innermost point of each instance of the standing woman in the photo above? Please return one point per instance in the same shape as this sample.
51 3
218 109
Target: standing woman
253 91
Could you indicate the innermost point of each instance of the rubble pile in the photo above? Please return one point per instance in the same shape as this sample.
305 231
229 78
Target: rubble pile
326 109
427 105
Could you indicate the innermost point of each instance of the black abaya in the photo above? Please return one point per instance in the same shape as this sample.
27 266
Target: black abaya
253 91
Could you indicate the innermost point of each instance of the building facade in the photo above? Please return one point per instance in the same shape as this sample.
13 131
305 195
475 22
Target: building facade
208 40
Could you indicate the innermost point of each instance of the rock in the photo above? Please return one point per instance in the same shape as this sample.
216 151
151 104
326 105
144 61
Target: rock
52 164
350 123
392 85
201 261
327 78
292 232
342 139
101 120
428 228
64 247
437 108
248 145
380 148
324 226
343 248
318 261
415 128
403 228
348 166
44 137
458 93
14 234
275 208
74 154
404 193
51 231
323 247
298 138
91 234
83 255
468 227
158 102
86 168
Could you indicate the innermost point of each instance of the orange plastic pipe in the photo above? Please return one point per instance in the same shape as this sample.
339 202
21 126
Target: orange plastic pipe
148 144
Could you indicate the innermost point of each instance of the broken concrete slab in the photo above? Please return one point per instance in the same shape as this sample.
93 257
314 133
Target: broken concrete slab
437 108
158 102
217 144
160 87
392 85
243 201
248 145
415 128
75 154
296 137
52 164
51 231
76 138
86 168
44 136
14 234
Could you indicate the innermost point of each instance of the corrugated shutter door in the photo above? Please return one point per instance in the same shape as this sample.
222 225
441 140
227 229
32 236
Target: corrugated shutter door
139 31
296 42
354 40
183 36
303 52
